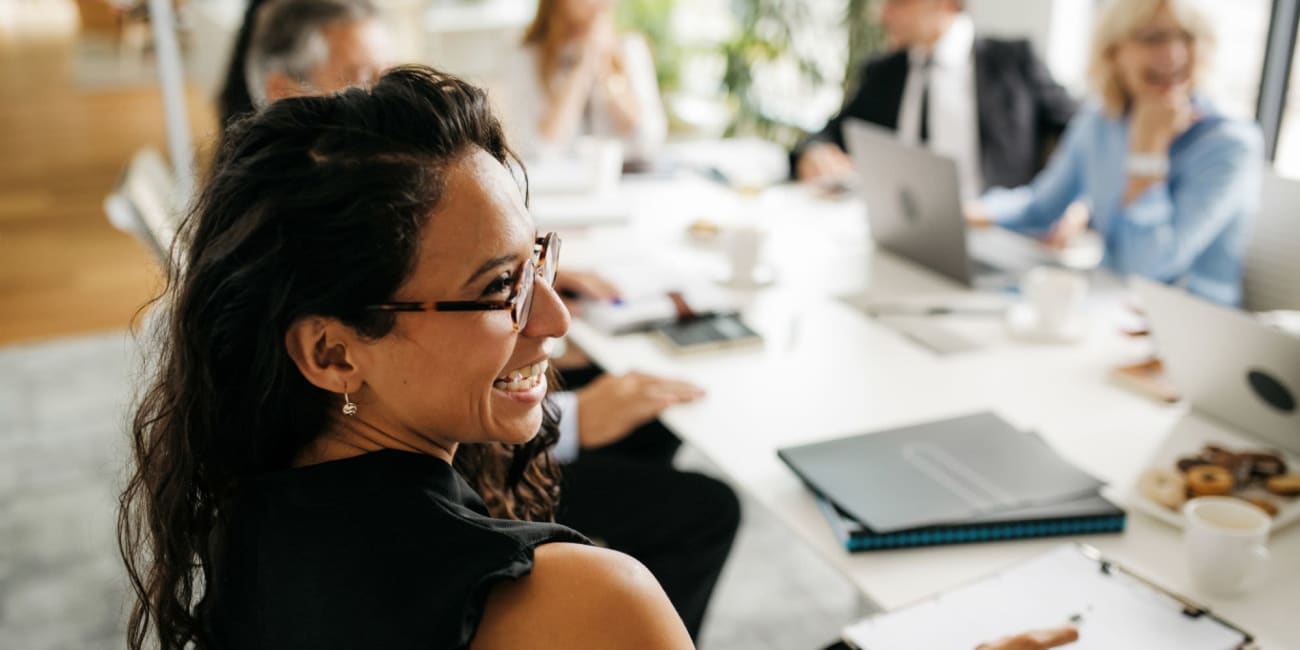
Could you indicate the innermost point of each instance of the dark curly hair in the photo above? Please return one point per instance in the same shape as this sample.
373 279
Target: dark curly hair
315 207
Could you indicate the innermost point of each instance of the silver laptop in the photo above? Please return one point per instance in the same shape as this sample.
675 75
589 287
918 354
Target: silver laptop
1227 365
914 207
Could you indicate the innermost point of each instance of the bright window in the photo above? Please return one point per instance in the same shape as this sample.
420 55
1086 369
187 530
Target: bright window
1288 141
1242 30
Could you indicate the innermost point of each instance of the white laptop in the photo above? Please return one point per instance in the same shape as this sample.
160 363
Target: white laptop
1227 365
914 208
1240 379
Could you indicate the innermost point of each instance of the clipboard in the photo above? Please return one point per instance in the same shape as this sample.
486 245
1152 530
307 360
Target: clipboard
1071 584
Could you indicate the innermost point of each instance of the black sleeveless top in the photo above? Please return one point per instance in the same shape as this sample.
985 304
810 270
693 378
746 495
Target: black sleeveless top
388 550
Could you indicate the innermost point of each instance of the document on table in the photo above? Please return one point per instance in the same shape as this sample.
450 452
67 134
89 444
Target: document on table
1110 607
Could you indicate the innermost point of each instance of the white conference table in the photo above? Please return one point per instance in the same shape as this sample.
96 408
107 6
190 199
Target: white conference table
826 370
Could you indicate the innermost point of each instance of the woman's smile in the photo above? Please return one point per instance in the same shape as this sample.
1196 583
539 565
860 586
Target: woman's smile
524 384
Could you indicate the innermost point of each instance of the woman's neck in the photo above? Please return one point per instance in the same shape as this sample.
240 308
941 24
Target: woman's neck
351 437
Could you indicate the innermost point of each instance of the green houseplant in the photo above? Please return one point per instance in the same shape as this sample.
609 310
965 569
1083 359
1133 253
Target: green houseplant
766 36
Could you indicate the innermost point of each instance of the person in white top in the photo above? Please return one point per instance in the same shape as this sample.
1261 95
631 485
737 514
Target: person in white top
577 76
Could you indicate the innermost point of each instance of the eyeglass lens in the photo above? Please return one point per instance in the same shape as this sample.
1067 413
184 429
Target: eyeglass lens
528 285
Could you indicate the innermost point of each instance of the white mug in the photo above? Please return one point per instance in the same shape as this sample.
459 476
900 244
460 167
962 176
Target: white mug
744 247
604 156
1056 297
1225 543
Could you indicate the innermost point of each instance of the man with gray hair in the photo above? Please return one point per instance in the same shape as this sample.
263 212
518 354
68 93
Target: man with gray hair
304 47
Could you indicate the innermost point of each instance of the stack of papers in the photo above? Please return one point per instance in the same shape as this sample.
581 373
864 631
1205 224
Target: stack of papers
646 302
1066 586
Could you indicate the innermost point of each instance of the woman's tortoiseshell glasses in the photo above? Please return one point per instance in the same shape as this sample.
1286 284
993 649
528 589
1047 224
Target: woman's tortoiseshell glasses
543 264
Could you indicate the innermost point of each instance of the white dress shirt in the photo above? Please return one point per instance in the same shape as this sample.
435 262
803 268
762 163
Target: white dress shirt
953 123
567 448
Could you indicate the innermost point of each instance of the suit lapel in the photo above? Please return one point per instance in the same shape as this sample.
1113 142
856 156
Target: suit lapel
986 102
887 90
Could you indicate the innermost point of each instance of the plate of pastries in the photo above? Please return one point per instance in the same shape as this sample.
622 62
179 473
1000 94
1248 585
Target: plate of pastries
1267 478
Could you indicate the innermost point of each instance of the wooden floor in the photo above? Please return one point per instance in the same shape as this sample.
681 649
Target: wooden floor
63 268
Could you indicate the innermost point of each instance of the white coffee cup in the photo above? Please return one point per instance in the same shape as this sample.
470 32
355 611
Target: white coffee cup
1225 540
604 157
1056 297
743 245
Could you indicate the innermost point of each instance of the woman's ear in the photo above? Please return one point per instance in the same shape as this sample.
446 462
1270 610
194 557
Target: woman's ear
280 85
325 351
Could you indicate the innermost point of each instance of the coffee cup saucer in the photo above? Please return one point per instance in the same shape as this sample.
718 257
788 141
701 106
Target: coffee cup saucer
762 277
1023 323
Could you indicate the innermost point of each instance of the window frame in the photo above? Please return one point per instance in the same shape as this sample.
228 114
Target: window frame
1275 77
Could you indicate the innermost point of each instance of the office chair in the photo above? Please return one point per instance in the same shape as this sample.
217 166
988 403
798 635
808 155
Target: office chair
144 203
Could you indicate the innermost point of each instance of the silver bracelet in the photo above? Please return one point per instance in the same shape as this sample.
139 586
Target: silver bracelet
1147 165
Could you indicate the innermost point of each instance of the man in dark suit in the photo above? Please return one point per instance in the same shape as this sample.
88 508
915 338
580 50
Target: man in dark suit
989 104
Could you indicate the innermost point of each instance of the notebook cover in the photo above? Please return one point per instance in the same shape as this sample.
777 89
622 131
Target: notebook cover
1089 515
939 472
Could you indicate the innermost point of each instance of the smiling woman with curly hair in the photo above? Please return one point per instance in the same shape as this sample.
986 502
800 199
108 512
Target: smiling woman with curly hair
345 444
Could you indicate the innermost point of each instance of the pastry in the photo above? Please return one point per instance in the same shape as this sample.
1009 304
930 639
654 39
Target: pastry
1264 465
1286 485
1263 504
1165 487
1210 480
1188 462
704 229
1236 463
1216 455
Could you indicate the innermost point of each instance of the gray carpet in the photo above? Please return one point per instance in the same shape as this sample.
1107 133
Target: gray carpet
62 448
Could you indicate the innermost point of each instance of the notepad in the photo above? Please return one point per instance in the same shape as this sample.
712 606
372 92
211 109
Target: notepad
947 472
1088 515
1070 584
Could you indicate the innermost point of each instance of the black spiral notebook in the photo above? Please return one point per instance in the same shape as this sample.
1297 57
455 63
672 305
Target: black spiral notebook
968 479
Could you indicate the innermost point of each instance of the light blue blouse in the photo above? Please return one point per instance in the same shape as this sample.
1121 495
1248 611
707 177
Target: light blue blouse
1190 229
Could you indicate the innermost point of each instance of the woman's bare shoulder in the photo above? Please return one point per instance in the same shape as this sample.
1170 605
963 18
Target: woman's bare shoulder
581 596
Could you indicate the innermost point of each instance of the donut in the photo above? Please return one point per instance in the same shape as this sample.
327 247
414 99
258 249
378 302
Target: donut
1286 485
1209 480
1229 460
1165 487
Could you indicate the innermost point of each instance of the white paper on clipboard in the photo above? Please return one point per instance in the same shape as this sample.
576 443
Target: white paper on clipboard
1111 608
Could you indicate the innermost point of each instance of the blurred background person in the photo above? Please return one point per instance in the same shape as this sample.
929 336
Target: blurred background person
576 75
1170 182
302 47
989 104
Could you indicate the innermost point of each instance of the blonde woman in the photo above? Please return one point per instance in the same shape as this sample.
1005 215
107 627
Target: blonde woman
1169 182
576 76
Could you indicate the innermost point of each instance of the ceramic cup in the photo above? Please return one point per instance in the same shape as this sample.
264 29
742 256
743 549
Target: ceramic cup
1225 540
604 157
1056 298
743 245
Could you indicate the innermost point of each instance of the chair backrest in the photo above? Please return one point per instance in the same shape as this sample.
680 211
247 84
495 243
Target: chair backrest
144 203
1272 274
